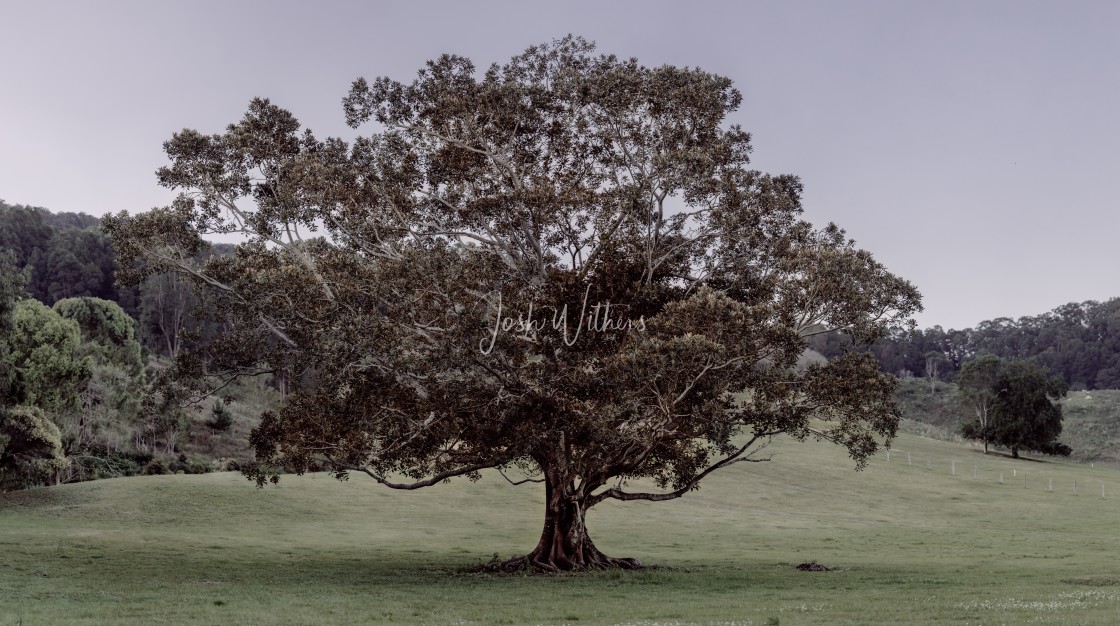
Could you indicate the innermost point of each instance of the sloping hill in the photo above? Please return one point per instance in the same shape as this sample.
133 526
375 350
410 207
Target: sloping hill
912 543
1091 419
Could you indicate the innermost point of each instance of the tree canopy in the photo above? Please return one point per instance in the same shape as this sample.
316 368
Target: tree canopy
562 268
12 281
65 255
45 351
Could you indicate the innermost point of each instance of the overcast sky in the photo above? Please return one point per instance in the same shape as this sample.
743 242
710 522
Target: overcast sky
973 147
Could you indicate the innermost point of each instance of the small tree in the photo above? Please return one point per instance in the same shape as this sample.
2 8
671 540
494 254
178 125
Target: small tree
977 382
934 360
1021 406
220 417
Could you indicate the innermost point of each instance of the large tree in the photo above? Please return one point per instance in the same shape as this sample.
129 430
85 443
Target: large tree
412 286
12 282
110 397
45 351
1020 400
1027 412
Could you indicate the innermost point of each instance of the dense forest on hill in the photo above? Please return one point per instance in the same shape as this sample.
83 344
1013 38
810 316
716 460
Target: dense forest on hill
65 255
77 352
1079 341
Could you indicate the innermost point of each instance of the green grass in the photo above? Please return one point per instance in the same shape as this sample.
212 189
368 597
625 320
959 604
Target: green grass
910 545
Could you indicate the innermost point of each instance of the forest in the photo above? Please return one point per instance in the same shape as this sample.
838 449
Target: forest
1079 341
79 352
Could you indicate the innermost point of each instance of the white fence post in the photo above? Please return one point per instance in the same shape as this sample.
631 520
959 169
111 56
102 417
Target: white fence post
908 459
1050 485
953 467
1001 478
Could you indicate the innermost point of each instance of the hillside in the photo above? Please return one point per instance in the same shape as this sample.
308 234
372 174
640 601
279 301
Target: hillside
213 549
1091 424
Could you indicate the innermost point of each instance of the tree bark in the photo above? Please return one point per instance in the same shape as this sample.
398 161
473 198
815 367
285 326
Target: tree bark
565 544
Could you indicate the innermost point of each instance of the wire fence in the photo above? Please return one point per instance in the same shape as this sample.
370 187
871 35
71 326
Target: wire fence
1005 471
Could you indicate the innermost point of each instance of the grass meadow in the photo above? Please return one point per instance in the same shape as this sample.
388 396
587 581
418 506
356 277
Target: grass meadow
909 543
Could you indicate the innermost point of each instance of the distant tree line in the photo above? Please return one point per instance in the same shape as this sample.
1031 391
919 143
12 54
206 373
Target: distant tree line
65 255
1078 341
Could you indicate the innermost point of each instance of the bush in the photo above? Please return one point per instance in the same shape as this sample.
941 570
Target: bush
98 463
30 448
183 465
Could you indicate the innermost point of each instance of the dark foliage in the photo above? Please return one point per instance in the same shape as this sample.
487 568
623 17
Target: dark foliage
1078 341
1023 411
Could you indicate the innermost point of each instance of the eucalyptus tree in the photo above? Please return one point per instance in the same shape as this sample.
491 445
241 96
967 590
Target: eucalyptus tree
561 268
979 389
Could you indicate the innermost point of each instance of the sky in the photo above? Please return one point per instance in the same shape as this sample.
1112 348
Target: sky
973 147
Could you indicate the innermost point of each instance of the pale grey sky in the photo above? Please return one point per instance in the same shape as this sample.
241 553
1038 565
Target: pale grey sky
973 147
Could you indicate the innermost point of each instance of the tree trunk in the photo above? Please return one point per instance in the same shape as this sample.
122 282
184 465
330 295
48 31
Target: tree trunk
565 544
1014 452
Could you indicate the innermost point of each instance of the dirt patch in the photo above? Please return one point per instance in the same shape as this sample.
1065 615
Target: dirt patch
812 566
1094 581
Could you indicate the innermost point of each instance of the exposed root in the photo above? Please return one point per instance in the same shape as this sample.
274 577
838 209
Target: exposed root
530 564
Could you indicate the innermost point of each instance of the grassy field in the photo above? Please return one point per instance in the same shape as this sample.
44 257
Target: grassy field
910 543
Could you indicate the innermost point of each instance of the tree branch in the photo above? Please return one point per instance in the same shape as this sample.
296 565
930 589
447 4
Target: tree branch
427 482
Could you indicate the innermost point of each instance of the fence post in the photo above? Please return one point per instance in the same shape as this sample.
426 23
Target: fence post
1050 485
953 467
1001 478
975 472
929 463
1102 491
908 459
1075 487
888 455
1024 481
